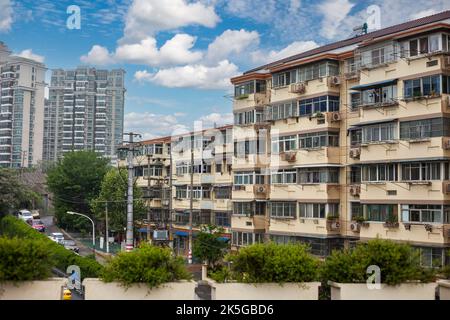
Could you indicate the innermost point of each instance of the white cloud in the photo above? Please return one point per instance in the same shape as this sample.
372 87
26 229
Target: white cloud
193 76
174 52
98 56
152 125
146 17
218 119
6 15
231 42
28 54
261 56
334 12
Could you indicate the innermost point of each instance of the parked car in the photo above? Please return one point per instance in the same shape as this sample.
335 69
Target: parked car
36 214
57 237
25 215
38 225
70 245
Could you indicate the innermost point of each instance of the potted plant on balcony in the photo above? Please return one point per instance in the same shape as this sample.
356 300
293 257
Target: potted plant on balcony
333 222
318 115
391 221
361 220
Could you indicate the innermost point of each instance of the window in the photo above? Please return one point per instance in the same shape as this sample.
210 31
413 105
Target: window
312 210
246 238
379 96
243 208
181 192
379 173
379 132
355 137
282 110
283 144
355 100
381 212
422 213
284 177
243 118
283 79
427 128
222 192
425 86
283 209
245 148
424 45
319 104
244 89
243 178
431 257
355 174
377 56
318 175
318 140
222 219
355 210
421 171
318 70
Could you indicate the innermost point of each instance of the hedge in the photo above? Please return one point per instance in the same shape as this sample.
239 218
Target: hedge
24 259
146 264
398 263
271 262
12 227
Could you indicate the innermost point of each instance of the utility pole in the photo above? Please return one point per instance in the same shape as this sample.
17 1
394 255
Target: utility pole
129 245
170 198
191 203
107 231
149 208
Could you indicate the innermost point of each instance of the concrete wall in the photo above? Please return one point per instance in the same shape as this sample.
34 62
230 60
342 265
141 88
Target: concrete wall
96 289
405 291
50 289
444 289
265 291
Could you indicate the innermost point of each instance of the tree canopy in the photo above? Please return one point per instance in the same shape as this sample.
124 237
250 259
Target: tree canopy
14 195
114 191
74 181
208 246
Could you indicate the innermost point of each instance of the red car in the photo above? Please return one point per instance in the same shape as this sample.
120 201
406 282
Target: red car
38 225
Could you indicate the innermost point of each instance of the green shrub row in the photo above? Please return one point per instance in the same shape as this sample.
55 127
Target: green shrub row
271 262
24 259
12 227
146 264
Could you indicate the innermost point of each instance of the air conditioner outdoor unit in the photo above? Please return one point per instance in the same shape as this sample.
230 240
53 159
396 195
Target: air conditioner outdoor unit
335 117
290 156
299 88
355 190
335 81
260 189
355 153
335 225
355 227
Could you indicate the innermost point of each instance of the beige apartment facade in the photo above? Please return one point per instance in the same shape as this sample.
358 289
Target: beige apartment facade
348 142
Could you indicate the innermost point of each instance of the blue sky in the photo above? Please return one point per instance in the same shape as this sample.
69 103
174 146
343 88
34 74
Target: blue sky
180 54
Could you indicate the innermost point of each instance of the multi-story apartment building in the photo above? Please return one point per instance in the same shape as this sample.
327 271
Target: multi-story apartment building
346 142
22 86
209 154
85 112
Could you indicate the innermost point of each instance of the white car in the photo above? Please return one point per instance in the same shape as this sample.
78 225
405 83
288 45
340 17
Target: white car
57 237
25 215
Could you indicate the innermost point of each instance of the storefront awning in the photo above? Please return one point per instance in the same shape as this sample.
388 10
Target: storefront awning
374 84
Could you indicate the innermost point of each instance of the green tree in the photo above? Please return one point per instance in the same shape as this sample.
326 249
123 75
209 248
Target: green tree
74 182
114 190
209 247
14 195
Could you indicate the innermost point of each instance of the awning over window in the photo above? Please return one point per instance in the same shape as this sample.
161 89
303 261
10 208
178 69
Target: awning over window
365 123
325 165
374 84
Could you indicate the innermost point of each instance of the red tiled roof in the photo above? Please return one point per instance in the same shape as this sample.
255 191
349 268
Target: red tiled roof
351 41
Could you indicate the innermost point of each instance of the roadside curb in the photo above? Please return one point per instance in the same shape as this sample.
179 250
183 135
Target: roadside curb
102 254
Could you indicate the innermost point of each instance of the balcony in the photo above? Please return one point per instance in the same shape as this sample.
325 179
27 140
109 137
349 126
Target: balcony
251 192
307 157
250 223
304 227
251 100
437 147
313 192
250 161
408 232
404 191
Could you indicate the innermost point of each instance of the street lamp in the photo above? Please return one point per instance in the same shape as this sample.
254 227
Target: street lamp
93 226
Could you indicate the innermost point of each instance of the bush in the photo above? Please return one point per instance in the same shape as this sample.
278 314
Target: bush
146 264
209 247
398 263
12 227
270 262
24 259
